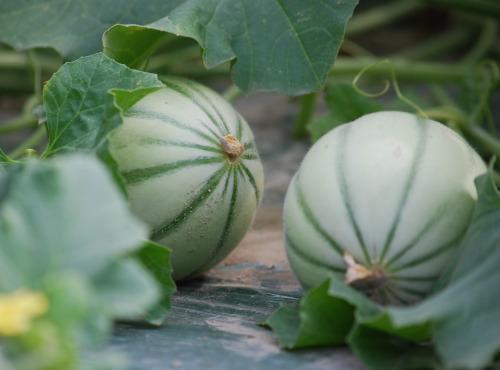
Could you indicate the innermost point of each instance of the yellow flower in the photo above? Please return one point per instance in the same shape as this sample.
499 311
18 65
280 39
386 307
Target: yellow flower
17 309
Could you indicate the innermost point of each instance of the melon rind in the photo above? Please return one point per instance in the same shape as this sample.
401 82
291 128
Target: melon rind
180 181
393 190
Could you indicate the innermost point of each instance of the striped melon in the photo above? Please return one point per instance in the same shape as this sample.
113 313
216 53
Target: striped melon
381 203
192 172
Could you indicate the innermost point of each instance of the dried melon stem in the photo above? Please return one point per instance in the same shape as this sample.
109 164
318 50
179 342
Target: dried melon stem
362 278
232 147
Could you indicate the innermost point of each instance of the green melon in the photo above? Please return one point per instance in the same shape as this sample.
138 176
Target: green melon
381 203
192 172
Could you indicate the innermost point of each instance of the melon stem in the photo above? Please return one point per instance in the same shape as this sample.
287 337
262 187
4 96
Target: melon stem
361 277
232 147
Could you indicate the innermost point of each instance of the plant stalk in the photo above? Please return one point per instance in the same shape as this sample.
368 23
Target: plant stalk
34 140
406 70
306 112
232 93
481 7
380 15
437 45
26 119
486 140
21 61
484 42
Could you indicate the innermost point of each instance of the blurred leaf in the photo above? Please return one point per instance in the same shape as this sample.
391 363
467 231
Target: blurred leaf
124 290
76 220
74 28
383 351
287 47
345 105
64 231
156 259
4 158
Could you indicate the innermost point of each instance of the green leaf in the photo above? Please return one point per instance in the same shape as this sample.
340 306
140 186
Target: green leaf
483 231
321 319
65 230
156 259
382 351
345 105
80 110
125 99
125 290
378 317
74 28
77 221
73 308
131 45
285 46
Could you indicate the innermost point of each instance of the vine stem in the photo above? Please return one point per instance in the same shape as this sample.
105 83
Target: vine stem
482 7
380 15
306 112
406 70
436 45
34 140
395 85
20 61
232 93
487 141
484 42
26 119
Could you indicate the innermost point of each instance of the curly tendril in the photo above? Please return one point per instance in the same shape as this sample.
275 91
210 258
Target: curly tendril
387 85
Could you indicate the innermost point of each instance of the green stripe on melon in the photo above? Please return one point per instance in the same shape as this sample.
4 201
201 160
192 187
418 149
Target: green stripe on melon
394 191
198 199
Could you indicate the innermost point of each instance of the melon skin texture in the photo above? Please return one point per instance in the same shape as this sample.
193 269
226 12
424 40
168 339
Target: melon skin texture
394 191
198 198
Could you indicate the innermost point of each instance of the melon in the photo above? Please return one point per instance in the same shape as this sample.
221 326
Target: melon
192 172
382 204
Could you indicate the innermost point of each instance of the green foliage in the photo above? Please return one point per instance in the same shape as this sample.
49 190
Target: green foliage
80 110
430 334
156 259
314 322
74 28
287 47
80 230
84 101
83 248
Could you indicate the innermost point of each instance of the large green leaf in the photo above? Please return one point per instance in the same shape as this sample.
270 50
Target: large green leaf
456 327
285 46
79 102
81 110
74 28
